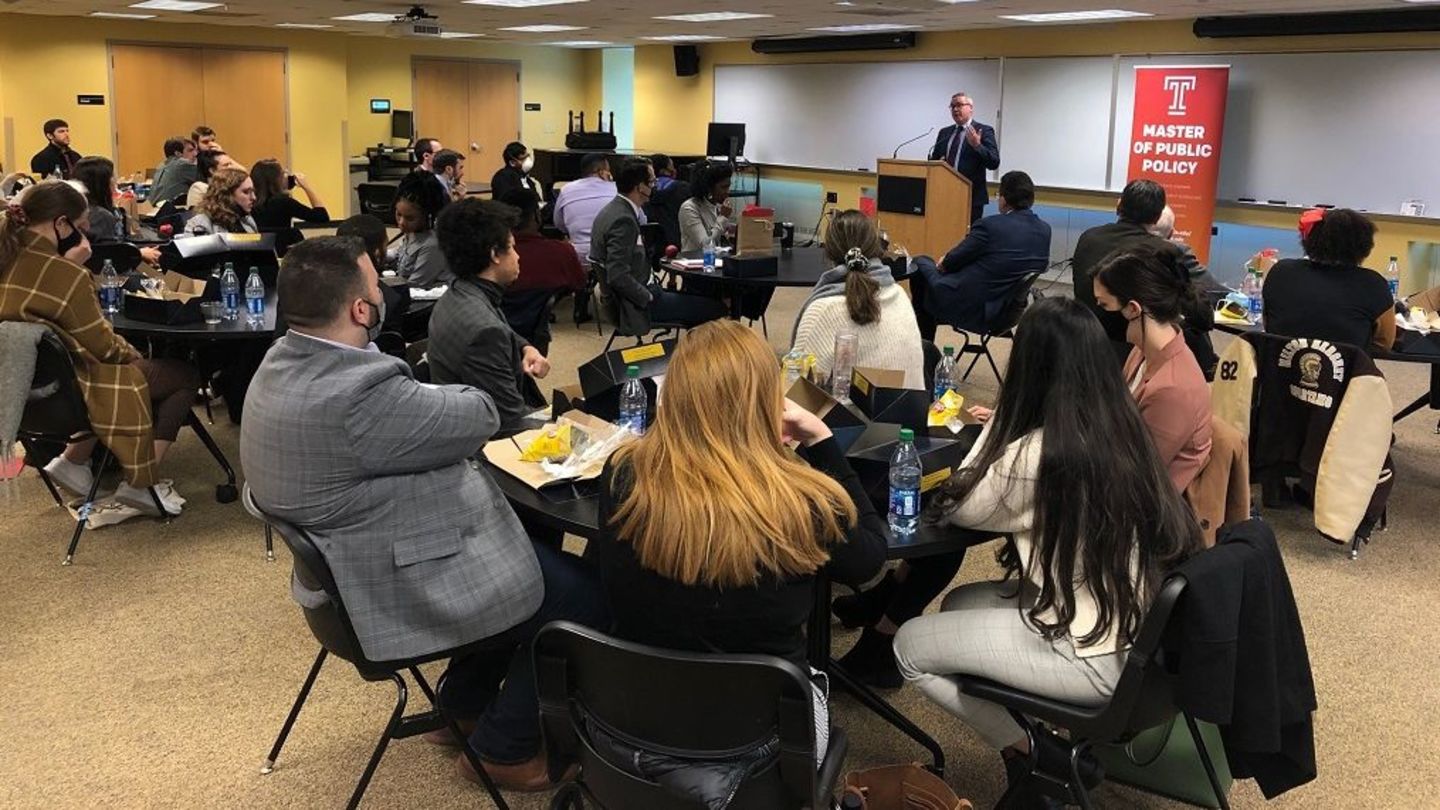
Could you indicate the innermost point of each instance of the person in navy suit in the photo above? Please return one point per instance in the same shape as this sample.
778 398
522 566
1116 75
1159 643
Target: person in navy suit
970 147
975 279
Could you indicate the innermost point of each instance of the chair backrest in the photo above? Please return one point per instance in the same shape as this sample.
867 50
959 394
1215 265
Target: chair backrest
611 303
694 706
1144 696
1015 302
124 256
378 199
54 407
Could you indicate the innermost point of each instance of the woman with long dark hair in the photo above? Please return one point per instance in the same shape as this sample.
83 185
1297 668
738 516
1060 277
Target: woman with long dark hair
106 223
275 207
1066 467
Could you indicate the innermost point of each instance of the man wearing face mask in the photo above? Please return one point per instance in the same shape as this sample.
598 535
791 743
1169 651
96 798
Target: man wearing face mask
341 441
516 173
471 342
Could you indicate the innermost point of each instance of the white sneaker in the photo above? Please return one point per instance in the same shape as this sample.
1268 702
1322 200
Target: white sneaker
140 499
74 478
173 500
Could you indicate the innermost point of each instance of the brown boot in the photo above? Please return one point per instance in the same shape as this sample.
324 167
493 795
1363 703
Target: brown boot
442 736
529 776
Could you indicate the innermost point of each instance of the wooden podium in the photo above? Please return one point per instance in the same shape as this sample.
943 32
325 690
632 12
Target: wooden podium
924 205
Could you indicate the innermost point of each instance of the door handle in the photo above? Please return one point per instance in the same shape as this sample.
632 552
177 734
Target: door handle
474 147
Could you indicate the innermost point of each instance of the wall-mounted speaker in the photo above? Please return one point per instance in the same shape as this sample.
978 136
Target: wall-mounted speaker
687 60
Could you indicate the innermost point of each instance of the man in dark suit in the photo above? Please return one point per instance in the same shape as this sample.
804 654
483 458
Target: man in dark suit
57 156
970 147
975 279
618 254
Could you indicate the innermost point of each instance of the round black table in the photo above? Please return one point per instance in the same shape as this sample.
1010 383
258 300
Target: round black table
237 329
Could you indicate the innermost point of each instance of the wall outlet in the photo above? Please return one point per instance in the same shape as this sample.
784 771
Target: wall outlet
832 197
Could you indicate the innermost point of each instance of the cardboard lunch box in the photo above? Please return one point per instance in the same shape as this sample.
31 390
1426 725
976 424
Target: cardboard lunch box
881 395
844 421
178 302
506 453
870 454
601 378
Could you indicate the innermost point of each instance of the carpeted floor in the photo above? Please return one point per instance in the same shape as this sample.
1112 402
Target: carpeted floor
156 671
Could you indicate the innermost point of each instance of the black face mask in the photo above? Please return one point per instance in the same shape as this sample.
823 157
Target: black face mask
69 243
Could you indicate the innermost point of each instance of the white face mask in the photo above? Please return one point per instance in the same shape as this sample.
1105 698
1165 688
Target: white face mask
527 164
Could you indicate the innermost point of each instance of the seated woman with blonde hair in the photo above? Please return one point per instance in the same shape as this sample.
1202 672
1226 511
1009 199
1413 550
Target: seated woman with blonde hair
712 529
227 205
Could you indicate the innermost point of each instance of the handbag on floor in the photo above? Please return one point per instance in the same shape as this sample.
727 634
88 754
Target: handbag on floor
901 787
1164 760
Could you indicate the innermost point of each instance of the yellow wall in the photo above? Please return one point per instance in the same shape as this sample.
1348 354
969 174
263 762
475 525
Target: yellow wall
671 113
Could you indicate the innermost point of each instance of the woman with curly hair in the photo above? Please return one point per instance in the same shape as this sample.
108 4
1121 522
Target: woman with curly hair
227 205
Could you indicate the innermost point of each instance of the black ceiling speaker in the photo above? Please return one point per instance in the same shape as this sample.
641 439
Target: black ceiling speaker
863 42
687 60
1299 25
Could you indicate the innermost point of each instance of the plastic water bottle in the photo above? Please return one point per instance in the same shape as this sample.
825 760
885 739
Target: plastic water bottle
632 402
1253 290
904 486
944 374
110 288
1392 277
794 366
230 292
708 255
254 299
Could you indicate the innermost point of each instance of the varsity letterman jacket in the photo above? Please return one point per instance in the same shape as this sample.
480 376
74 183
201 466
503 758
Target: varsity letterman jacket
1318 410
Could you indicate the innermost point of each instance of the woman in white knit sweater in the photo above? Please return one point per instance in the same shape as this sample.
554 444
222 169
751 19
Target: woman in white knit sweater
860 297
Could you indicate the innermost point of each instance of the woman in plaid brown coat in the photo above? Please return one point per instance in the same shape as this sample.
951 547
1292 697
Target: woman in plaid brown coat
41 281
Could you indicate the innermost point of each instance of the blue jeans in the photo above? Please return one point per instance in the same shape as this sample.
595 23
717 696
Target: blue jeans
508 716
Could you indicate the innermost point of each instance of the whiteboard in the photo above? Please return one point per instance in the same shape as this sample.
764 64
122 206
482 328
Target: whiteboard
1359 130
1055 119
844 116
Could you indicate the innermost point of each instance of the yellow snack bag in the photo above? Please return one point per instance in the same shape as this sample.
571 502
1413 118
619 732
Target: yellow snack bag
945 408
553 444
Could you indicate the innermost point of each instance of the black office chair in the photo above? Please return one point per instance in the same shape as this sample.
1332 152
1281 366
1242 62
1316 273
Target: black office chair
378 199
123 256
592 292
54 415
656 330
684 705
1143 698
1003 325
331 626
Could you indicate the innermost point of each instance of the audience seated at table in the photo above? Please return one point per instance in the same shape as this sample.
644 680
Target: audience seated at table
374 235
57 157
1329 295
275 207
580 200
471 343
1066 468
106 224
707 214
670 193
516 173
416 256
342 442
549 269
227 206
859 296
449 168
207 162
43 280
175 173
626 277
712 529
975 280
1150 289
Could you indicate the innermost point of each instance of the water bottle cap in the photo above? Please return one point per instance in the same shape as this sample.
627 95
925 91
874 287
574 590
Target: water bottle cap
633 372
907 435
949 350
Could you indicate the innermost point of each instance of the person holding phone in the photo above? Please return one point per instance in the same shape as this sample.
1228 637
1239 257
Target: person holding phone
970 147
707 214
275 207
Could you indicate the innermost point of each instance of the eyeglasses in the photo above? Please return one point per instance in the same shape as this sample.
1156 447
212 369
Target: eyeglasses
965 104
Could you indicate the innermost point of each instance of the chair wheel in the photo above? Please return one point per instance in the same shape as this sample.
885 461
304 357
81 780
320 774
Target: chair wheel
225 493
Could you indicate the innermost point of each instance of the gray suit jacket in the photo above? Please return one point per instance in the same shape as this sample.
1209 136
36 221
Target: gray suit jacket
426 551
618 255
471 343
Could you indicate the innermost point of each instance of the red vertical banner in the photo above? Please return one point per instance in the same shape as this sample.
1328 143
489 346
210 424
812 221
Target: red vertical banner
1175 141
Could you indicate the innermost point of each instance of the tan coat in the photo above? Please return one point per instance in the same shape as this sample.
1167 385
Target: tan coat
41 287
1220 494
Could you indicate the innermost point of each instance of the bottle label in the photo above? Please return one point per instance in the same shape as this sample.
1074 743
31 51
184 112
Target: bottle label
904 503
232 300
256 305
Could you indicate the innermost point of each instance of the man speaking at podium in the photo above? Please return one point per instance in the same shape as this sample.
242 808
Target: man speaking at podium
969 146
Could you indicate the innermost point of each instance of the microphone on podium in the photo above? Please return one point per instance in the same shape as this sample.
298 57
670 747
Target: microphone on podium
896 153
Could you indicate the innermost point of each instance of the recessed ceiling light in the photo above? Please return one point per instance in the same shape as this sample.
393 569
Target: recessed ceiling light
544 29
684 38
175 5
715 16
303 25
582 43
865 28
458 35
1077 16
521 3
956 2
116 15
369 16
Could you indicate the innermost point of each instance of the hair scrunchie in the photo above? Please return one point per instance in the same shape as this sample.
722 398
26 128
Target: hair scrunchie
16 214
855 260
1308 219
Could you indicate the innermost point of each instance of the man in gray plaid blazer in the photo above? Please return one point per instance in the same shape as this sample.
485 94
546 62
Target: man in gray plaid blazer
340 440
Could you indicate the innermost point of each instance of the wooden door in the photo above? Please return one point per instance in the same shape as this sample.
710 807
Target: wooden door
442 102
494 117
157 94
245 103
